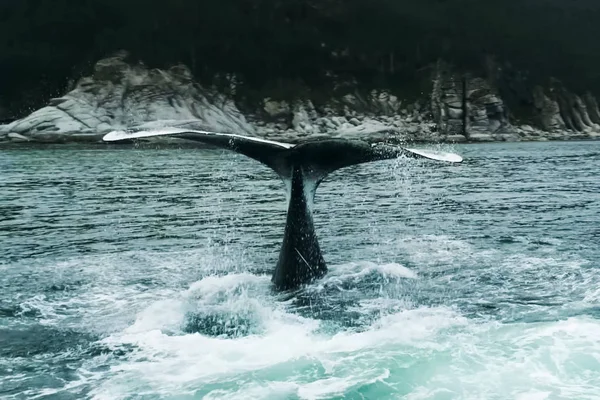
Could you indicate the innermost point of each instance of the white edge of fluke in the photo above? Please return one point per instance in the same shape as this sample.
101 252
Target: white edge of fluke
437 155
124 135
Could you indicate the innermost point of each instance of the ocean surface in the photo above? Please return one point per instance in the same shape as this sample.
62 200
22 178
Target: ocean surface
144 273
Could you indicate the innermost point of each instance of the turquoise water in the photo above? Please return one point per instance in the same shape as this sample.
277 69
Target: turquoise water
130 273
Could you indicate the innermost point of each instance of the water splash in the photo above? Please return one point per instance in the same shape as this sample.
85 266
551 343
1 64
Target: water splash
457 283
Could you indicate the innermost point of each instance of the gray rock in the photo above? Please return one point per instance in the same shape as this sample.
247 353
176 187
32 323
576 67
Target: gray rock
15 137
398 124
507 137
339 121
328 123
301 120
454 102
276 109
548 110
526 128
485 110
119 95
481 137
592 106
455 113
413 129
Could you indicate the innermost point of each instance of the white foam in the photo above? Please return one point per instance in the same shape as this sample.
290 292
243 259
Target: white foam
326 388
212 285
396 270
358 270
461 358
534 395
172 364
433 249
171 314
252 390
415 353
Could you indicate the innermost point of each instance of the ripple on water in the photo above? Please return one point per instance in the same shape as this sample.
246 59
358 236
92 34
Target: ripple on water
145 274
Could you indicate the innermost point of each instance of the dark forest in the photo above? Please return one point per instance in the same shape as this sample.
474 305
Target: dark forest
284 48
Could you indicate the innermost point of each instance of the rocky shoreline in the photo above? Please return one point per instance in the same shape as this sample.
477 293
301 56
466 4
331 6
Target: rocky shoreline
398 129
119 95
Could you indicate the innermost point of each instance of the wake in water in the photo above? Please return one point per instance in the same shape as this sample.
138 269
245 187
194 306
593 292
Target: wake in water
451 293
368 329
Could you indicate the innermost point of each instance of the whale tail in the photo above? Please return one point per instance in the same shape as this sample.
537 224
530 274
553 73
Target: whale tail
302 168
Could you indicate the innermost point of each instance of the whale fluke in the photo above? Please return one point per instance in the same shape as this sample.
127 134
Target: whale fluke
302 168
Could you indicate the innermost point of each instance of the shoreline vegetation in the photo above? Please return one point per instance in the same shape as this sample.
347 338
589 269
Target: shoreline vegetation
431 71
121 94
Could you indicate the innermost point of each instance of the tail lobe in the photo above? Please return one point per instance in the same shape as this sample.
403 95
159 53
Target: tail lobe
302 167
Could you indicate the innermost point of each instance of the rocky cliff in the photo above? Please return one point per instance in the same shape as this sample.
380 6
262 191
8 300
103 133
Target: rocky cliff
118 96
458 107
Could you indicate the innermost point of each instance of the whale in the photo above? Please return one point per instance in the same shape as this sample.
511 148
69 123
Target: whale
301 167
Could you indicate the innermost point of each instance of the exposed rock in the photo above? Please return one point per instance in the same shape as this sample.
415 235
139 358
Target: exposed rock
387 104
455 113
526 128
460 108
481 137
413 129
487 112
507 137
370 130
119 95
462 104
301 122
592 107
446 93
594 135
582 111
15 137
381 103
276 109
561 110
548 110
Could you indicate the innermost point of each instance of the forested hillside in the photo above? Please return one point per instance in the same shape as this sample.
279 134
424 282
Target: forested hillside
284 48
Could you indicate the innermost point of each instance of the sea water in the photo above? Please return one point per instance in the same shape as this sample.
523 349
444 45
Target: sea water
137 273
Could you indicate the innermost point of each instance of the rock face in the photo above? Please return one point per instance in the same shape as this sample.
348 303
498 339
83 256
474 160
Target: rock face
119 95
465 105
548 111
447 101
374 117
486 111
560 110
458 108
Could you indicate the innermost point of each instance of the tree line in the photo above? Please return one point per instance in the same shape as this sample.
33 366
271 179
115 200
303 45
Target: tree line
286 47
